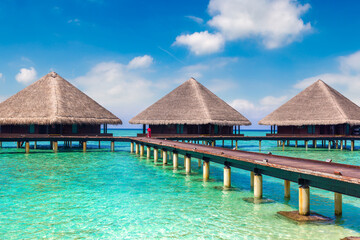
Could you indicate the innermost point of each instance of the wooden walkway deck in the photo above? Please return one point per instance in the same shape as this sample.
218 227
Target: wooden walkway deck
339 178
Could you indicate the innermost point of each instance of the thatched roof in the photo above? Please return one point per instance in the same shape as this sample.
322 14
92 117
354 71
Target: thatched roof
53 100
190 103
319 104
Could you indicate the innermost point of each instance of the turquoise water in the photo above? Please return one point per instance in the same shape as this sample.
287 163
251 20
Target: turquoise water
105 195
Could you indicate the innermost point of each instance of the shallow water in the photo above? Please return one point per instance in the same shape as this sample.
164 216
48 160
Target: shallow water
100 194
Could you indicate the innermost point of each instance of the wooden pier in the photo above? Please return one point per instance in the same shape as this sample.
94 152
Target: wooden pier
338 178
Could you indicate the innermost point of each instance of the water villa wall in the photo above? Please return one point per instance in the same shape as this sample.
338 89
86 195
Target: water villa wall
342 129
63 129
191 129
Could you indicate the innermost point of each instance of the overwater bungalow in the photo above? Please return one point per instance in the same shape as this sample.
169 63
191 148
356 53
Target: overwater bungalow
191 108
52 105
317 110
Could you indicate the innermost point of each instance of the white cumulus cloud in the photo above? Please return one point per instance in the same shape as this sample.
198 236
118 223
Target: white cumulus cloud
141 62
201 43
275 23
346 79
1 75
26 75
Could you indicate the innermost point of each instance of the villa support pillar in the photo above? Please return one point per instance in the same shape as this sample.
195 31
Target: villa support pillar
0 144
236 144
345 144
258 188
35 145
252 179
199 163
227 176
213 143
329 145
175 160
304 200
338 203
55 146
164 157
206 170
260 145
187 164
112 146
84 146
136 148
296 143
287 188
283 145
148 153
352 145
27 147
141 150
314 143
306 144
156 155
341 145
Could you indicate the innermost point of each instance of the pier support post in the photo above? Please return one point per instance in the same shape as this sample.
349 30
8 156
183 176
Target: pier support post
352 145
35 145
288 143
18 144
70 144
252 180
132 147
314 143
236 144
141 150
136 148
336 144
164 156
112 146
341 145
296 143
287 189
345 144
283 145
187 164
55 146
84 146
156 155
306 145
175 160
329 145
304 200
213 143
199 163
338 203
227 176
0 144
148 153
27 147
206 170
258 188
260 145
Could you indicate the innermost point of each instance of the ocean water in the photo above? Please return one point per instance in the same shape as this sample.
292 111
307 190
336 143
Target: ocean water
117 195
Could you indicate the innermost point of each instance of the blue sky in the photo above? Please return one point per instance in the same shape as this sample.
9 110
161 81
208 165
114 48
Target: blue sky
127 54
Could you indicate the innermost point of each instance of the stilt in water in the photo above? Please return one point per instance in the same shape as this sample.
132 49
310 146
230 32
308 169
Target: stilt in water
304 200
227 176
287 189
206 170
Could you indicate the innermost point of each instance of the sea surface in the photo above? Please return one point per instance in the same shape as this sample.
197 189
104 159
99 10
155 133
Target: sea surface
117 195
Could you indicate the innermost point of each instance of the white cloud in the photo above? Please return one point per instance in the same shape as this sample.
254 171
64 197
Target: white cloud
75 21
140 62
273 101
275 23
346 80
195 19
351 63
123 92
201 43
1 75
26 75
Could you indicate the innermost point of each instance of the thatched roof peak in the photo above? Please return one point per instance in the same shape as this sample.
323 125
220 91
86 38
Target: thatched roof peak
318 104
53 100
190 103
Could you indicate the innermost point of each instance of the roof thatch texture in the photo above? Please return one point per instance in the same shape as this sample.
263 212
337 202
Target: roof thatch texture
190 103
53 100
319 104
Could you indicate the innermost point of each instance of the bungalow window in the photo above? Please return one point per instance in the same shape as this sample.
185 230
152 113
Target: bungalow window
311 129
32 128
179 128
74 128
216 129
